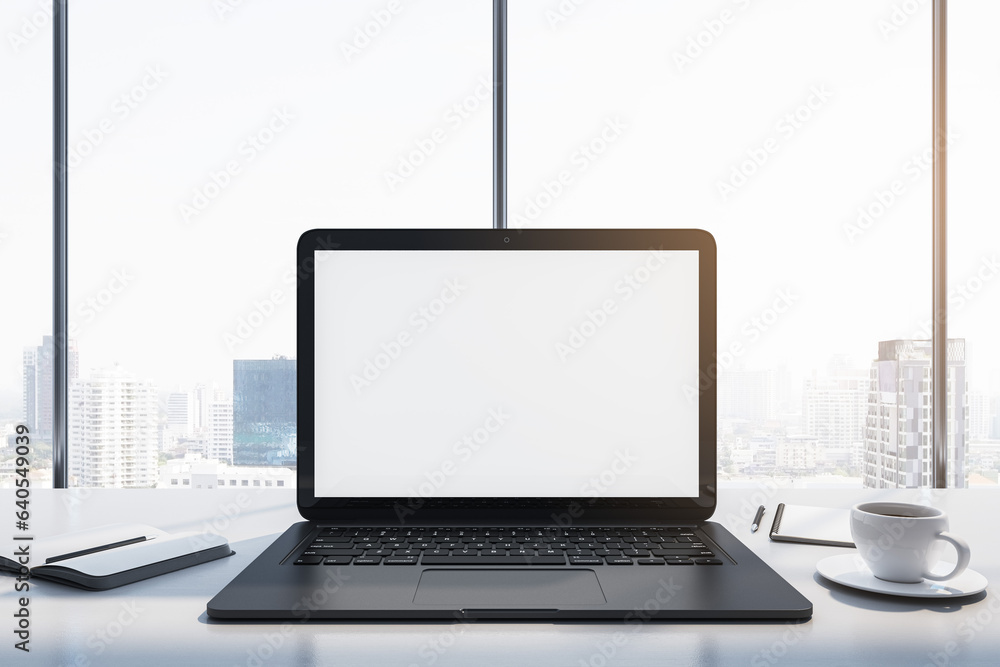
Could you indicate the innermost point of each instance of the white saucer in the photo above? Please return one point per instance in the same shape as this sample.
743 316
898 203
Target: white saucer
850 570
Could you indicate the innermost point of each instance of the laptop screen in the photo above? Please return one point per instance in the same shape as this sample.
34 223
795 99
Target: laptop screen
506 373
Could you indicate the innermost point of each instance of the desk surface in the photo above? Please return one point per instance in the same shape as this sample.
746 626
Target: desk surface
163 621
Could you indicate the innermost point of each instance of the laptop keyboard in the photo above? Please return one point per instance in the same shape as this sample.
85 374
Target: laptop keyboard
507 546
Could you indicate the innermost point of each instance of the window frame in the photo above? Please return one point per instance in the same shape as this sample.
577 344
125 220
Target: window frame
60 439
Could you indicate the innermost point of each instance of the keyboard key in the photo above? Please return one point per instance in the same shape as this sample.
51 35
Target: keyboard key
401 560
365 560
309 560
618 560
707 561
337 560
650 561
493 560
679 561
636 553
406 552
585 560
683 552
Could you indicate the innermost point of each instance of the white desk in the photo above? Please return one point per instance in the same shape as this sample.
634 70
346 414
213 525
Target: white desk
163 621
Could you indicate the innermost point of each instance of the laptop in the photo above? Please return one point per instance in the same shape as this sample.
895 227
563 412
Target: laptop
507 424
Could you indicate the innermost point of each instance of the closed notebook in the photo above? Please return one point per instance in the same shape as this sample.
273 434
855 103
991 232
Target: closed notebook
827 526
111 555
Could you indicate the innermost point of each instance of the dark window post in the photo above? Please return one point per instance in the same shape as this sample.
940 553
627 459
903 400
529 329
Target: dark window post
939 337
60 257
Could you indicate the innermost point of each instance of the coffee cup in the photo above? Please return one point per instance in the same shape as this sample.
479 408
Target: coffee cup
899 541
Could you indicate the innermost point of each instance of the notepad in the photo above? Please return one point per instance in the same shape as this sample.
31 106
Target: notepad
827 526
112 555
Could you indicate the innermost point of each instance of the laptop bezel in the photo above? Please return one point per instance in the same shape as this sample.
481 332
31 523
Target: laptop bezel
506 511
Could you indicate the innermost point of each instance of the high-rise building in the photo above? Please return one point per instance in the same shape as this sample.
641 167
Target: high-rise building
898 436
38 366
113 431
746 394
181 412
995 421
980 415
834 410
220 431
29 391
264 417
201 397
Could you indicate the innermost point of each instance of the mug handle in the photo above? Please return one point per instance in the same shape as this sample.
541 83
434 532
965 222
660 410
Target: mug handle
963 557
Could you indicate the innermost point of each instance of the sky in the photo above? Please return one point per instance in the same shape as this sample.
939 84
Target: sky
207 136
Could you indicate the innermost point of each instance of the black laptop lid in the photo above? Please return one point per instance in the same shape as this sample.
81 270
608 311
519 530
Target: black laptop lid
516 377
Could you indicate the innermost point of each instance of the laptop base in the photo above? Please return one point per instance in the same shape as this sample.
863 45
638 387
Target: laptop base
744 587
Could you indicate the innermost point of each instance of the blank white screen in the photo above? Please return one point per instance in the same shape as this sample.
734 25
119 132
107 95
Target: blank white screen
506 373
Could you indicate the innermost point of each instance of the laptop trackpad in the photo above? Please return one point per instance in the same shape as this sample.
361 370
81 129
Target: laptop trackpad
518 588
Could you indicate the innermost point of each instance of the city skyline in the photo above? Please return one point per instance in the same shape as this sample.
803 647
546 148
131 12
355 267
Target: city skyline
819 425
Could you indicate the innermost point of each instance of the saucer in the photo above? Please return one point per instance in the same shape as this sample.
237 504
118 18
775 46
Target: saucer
850 570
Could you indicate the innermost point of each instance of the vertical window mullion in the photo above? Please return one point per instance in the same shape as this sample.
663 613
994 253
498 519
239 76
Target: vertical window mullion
60 238
500 114
939 335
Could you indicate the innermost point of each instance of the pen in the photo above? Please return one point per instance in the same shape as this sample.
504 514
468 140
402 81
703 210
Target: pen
103 547
756 520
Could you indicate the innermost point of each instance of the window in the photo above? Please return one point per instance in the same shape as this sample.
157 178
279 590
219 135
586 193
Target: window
200 153
677 115
26 240
199 159
973 261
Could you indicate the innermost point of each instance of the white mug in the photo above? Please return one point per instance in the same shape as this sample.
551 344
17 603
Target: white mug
896 540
